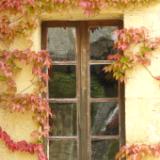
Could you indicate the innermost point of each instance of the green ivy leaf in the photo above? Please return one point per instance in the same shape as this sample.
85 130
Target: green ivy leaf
124 59
2 78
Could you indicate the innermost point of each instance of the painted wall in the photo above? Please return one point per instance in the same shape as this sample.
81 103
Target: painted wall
142 97
142 91
20 125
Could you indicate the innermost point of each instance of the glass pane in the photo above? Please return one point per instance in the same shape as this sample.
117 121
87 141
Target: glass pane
104 149
104 118
102 84
101 42
62 150
64 121
61 43
62 83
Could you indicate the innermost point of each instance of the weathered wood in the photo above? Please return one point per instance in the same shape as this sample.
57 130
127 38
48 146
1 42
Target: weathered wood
83 81
94 100
105 137
84 107
62 100
121 90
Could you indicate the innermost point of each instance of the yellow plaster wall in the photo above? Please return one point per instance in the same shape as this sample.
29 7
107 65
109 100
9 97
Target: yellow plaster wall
142 96
142 91
6 154
20 125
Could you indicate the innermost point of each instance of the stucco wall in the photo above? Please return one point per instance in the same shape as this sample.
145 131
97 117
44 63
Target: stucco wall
20 125
142 92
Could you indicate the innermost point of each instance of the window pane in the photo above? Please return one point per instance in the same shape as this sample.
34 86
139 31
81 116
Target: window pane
101 42
104 118
102 84
104 149
62 83
62 150
64 122
61 43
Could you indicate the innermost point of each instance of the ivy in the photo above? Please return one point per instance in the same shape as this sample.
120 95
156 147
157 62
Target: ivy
138 151
22 146
135 47
20 102
90 5
128 57
30 102
16 27
32 10
9 67
19 18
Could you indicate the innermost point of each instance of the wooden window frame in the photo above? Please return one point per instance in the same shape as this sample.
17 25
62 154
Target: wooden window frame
83 87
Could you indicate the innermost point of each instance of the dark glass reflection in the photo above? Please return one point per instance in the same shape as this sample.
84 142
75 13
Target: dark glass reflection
104 118
62 150
101 42
102 84
61 43
104 149
62 83
64 121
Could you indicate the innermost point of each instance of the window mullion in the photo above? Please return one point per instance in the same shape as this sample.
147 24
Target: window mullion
84 107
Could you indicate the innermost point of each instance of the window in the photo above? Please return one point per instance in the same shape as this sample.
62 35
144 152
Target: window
87 103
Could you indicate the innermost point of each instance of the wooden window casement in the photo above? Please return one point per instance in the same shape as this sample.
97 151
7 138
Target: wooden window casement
88 104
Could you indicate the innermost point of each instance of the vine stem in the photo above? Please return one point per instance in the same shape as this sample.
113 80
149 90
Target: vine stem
32 83
16 20
150 72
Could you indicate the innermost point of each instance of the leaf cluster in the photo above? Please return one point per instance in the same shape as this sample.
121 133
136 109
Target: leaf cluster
138 151
134 48
22 102
22 146
20 17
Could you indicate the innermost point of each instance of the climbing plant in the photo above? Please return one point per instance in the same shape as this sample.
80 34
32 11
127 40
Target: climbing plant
23 5
138 151
13 23
22 146
19 101
134 47
18 18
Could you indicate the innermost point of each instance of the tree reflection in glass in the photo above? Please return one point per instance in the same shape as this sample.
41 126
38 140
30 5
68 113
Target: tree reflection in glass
104 118
64 122
61 43
62 83
102 84
62 150
101 42
104 149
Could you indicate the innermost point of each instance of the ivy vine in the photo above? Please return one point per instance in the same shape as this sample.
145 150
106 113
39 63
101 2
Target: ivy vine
19 101
19 18
22 146
128 57
13 23
138 151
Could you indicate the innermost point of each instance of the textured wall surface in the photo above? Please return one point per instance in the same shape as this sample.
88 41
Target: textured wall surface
20 125
142 97
142 91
